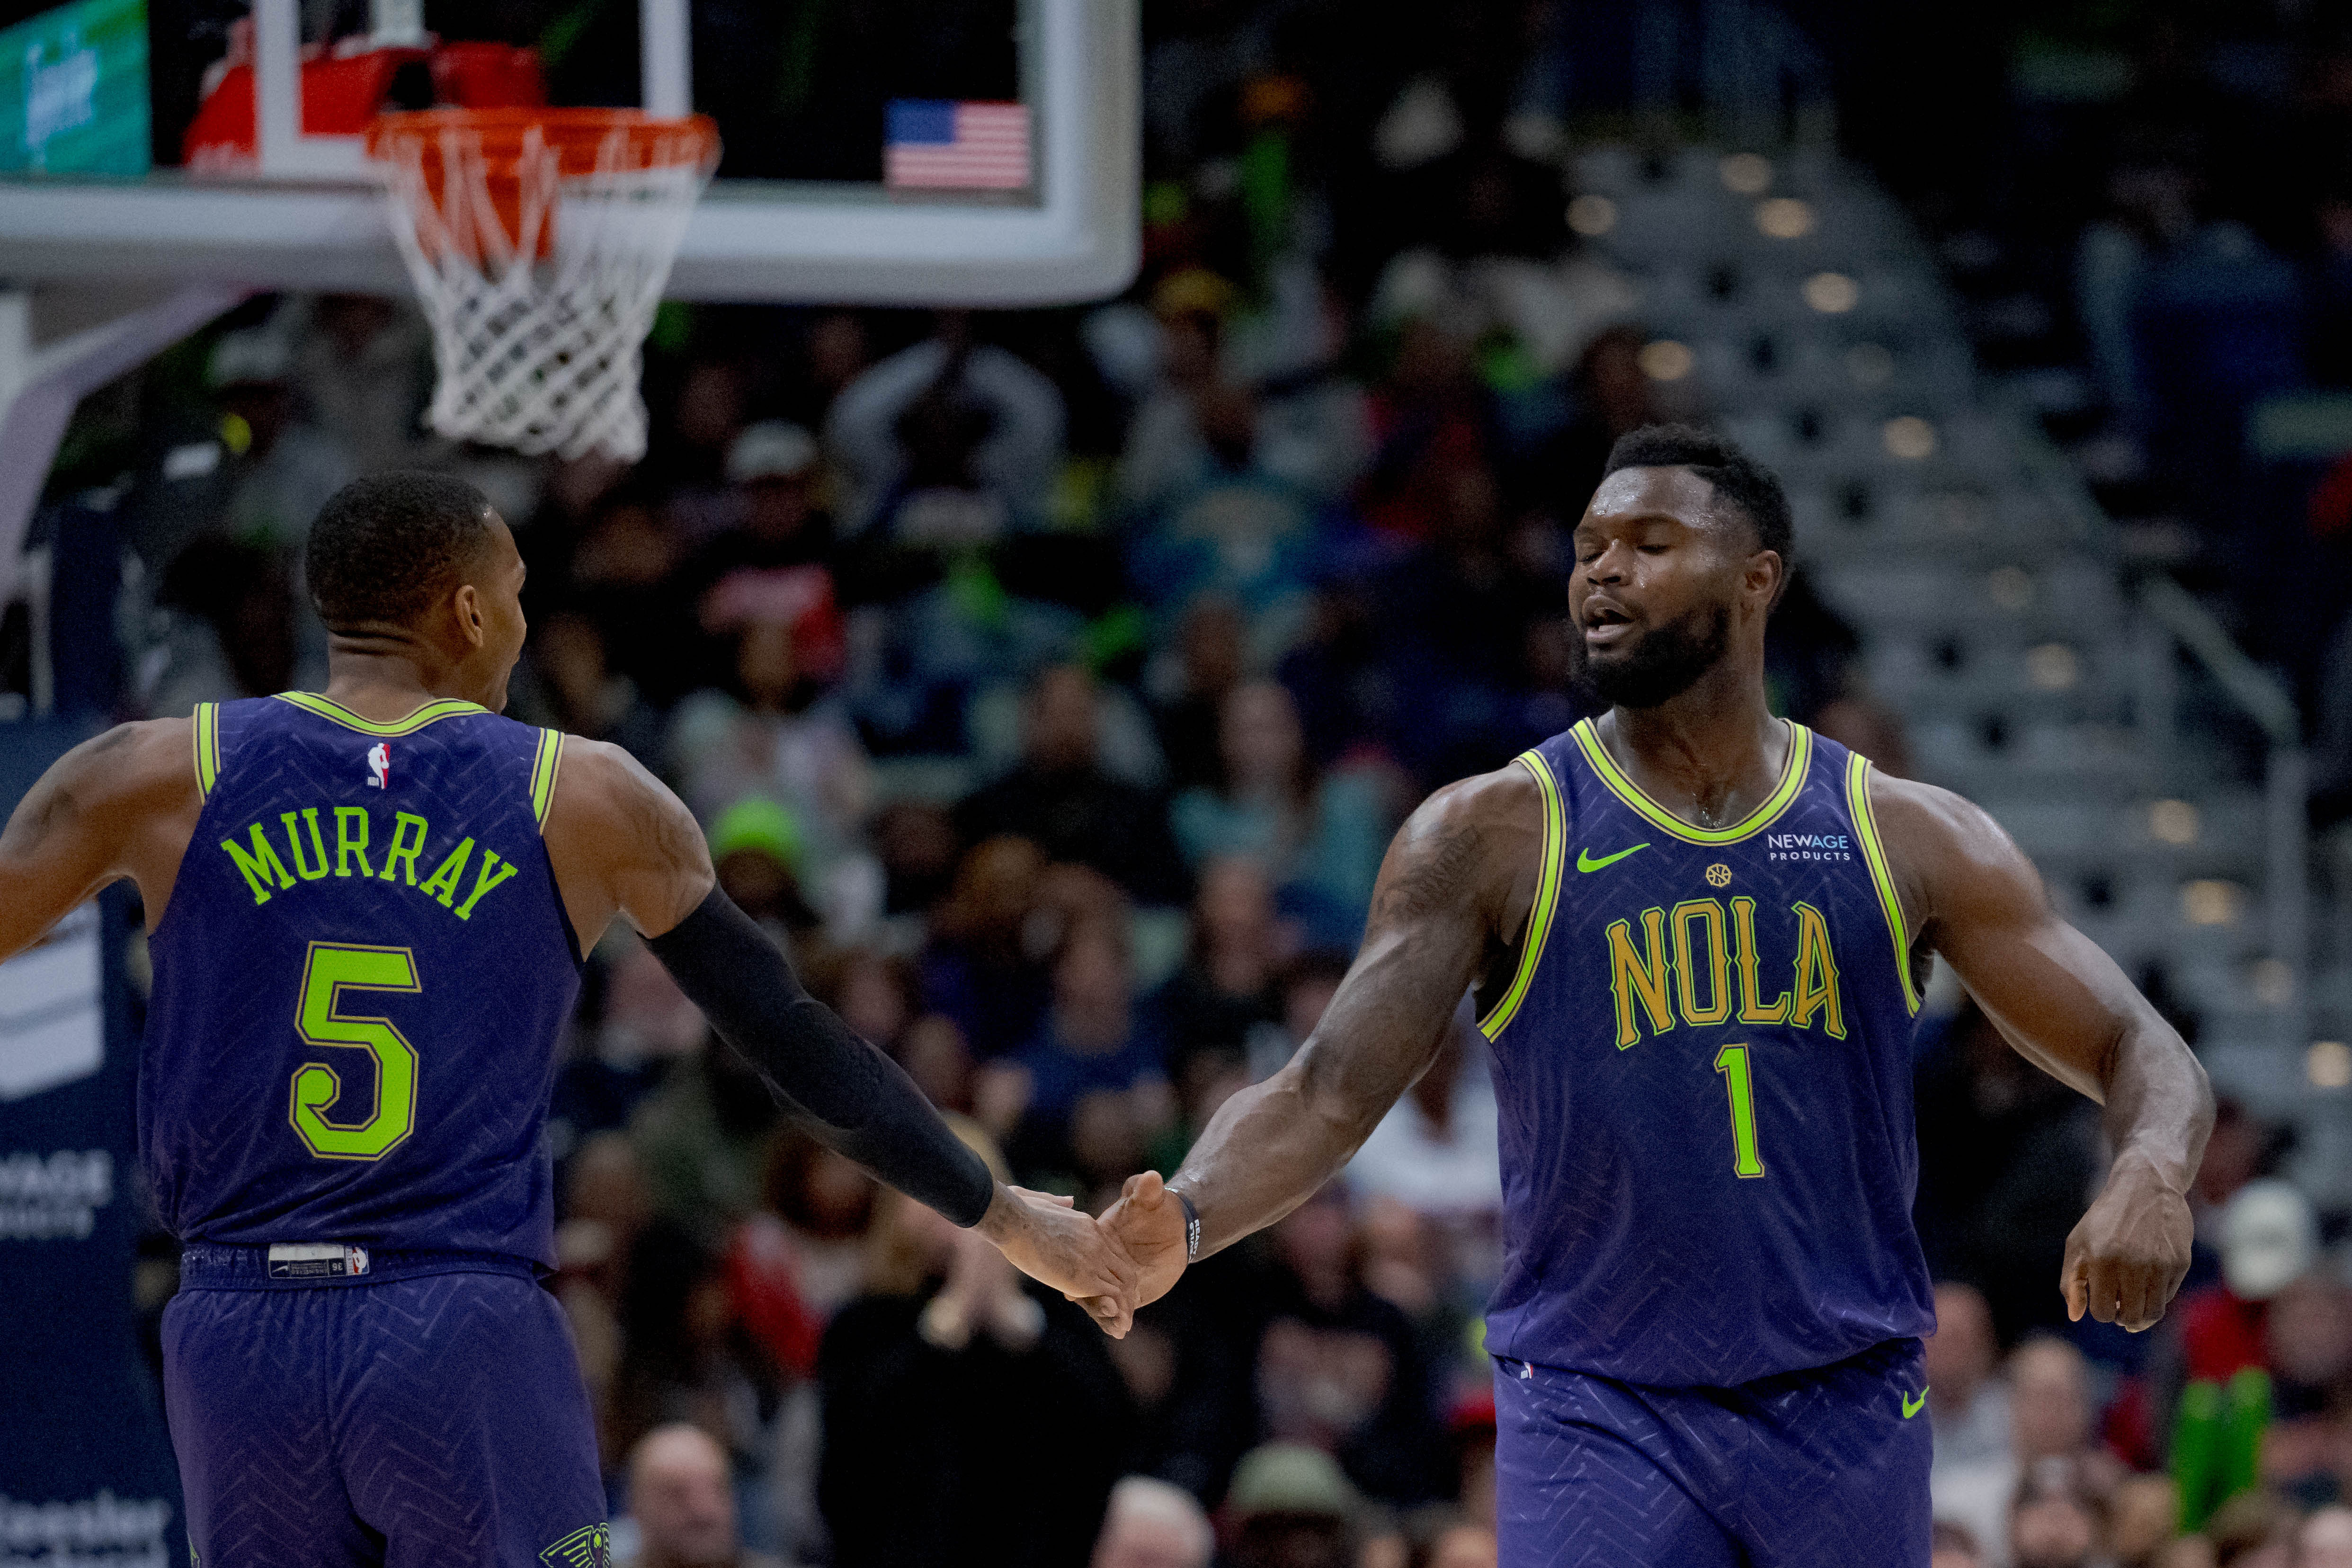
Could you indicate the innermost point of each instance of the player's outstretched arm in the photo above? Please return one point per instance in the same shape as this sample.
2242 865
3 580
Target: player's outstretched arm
623 845
1458 879
122 804
2064 1005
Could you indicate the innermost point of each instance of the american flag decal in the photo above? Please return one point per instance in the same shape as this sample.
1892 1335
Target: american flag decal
937 144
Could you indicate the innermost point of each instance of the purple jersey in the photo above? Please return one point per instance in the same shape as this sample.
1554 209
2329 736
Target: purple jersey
360 983
1704 1068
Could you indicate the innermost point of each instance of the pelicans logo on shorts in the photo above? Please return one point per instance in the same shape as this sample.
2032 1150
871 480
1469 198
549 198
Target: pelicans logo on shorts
589 1546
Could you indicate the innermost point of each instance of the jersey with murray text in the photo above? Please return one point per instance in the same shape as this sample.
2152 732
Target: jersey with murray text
360 983
1704 1069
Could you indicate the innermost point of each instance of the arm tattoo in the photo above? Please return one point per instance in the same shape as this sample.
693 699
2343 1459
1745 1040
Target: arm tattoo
1433 877
53 797
39 816
658 827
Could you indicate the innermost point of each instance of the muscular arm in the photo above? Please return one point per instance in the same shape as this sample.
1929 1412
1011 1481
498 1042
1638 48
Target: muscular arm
1458 879
623 845
1973 897
121 806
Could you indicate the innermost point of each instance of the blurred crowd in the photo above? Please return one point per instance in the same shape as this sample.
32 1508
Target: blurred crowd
2160 253
1049 684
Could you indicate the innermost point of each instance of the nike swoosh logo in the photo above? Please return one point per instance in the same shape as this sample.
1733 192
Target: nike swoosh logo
1912 1405
1585 862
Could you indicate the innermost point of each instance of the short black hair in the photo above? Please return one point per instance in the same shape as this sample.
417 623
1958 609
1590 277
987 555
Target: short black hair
1734 476
384 547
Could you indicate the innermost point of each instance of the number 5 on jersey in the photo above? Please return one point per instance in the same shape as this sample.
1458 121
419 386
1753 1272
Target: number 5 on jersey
331 969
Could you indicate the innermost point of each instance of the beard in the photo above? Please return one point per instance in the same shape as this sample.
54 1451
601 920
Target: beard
1665 661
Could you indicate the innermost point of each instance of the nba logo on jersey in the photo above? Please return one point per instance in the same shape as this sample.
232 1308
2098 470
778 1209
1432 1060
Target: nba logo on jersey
379 761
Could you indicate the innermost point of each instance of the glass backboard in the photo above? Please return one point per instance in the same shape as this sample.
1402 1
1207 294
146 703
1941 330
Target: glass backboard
906 151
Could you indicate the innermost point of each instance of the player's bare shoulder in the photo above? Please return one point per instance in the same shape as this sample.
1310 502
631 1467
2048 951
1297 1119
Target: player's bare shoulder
600 785
1474 846
1949 857
148 761
115 786
619 841
122 804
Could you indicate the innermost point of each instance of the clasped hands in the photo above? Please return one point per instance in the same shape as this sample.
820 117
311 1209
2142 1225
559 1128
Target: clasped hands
1126 1260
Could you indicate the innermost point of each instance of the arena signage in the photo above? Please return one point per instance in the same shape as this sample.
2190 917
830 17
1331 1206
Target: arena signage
86 1470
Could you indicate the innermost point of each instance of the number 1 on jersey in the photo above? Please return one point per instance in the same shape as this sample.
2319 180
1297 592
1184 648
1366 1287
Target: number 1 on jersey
1732 1063
331 969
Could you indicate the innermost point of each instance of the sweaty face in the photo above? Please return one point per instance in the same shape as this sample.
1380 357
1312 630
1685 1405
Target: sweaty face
1659 571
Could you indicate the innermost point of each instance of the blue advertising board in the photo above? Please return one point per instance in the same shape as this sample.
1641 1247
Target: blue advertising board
86 1468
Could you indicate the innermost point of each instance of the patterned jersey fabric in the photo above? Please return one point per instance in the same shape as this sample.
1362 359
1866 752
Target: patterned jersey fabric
360 983
1704 1069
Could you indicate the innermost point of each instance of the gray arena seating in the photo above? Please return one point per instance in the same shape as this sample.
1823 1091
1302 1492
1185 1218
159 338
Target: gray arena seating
1999 615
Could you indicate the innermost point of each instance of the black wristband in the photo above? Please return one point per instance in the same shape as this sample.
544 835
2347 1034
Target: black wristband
1191 1225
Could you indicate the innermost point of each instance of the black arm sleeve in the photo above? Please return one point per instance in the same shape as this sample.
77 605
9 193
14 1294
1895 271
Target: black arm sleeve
858 1101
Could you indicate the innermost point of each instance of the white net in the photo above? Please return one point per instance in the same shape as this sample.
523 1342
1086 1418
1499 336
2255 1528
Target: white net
544 352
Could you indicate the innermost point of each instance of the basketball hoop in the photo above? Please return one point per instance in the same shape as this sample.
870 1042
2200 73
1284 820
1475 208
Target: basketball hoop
538 240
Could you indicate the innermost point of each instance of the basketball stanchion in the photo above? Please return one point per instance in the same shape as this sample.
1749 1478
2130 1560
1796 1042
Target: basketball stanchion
539 241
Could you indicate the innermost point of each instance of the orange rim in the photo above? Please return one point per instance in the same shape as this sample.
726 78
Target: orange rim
576 135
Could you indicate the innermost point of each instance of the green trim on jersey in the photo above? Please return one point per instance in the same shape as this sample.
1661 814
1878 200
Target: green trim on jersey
545 765
207 734
446 708
1539 930
1865 828
1792 780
